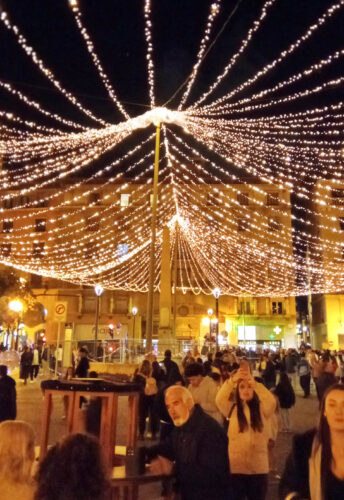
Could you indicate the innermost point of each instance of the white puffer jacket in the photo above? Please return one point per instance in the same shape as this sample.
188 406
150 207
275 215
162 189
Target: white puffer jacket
248 450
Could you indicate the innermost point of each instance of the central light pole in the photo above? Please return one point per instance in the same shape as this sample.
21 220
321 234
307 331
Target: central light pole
98 290
150 298
210 313
216 293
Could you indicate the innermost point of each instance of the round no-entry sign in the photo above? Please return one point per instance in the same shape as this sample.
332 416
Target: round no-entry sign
60 312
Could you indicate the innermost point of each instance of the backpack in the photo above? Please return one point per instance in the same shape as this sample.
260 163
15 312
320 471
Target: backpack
151 388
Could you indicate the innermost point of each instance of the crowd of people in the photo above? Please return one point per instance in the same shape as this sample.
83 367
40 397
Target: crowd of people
249 398
213 421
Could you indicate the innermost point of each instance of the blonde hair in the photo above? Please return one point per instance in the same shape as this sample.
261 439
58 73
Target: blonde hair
17 451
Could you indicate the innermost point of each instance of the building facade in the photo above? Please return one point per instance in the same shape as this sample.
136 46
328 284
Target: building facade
31 223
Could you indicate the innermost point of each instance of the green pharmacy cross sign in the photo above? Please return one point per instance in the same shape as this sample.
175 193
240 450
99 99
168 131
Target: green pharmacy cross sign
277 331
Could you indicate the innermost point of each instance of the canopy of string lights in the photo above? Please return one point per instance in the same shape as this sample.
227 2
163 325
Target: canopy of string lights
222 154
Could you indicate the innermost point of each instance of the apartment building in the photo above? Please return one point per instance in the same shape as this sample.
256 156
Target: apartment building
250 224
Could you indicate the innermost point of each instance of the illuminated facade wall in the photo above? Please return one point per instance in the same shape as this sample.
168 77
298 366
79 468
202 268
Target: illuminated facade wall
327 329
273 319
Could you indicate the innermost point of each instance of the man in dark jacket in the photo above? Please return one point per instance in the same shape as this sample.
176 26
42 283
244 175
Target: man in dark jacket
196 451
170 366
8 396
83 365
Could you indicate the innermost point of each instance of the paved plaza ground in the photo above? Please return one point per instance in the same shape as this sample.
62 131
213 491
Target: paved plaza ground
304 415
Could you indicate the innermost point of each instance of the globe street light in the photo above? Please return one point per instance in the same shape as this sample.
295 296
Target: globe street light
134 311
217 292
16 306
98 290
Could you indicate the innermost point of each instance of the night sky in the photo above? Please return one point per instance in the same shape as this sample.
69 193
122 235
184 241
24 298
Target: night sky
117 30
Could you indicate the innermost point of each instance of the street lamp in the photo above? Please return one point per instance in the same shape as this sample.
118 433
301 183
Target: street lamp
217 292
134 311
16 306
98 290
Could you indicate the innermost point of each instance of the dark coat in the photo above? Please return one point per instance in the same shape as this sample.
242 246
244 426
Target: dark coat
295 477
82 368
8 399
200 450
171 368
290 363
26 358
269 374
285 394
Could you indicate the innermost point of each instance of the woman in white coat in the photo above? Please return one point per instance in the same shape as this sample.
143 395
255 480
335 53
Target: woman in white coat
248 405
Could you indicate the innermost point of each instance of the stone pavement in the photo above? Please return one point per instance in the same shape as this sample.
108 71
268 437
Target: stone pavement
29 402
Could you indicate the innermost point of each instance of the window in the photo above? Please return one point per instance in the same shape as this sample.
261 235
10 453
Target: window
20 201
7 203
272 199
89 304
246 332
337 193
125 198
92 224
121 305
242 224
245 307
213 199
40 225
36 281
341 223
122 249
5 249
37 250
243 199
41 203
275 224
94 198
277 308
7 226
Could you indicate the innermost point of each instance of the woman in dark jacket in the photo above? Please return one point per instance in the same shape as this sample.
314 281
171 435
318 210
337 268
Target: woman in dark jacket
315 468
286 397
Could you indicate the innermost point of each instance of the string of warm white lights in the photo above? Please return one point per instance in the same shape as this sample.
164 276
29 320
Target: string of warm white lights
321 21
40 64
214 10
30 102
237 210
149 42
244 44
95 59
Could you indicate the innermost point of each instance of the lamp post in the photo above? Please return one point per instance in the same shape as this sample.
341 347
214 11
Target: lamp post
98 290
210 313
134 312
150 298
16 306
217 292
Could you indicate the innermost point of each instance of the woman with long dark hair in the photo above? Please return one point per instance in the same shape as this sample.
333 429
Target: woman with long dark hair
248 405
315 467
73 470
